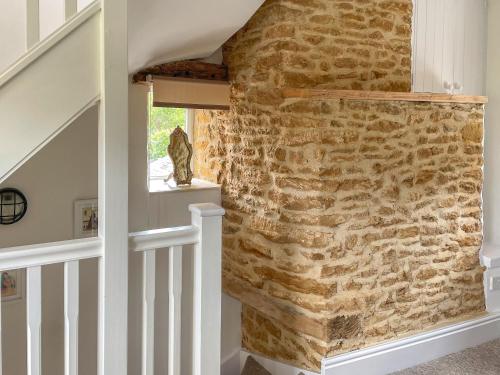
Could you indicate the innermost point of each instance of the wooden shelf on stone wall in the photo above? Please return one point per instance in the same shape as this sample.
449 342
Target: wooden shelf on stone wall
382 95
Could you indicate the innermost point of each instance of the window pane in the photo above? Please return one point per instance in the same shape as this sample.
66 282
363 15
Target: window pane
162 123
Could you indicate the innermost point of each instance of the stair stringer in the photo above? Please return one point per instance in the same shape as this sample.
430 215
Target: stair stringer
48 88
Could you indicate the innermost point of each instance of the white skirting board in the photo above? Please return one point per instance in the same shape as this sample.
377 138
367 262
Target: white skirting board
411 351
391 356
274 367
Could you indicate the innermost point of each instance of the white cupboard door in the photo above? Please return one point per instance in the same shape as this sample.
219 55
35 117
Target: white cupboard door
449 46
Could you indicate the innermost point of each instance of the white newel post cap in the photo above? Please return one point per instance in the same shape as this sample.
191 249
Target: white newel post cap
206 209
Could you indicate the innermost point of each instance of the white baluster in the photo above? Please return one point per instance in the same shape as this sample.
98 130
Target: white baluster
71 314
70 8
175 311
34 318
1 335
32 22
207 288
148 312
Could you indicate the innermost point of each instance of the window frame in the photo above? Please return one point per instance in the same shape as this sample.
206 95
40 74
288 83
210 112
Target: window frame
188 128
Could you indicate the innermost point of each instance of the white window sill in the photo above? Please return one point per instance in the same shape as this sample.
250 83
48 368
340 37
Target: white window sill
159 186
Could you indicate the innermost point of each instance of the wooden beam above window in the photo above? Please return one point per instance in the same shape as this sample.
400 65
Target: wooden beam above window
191 69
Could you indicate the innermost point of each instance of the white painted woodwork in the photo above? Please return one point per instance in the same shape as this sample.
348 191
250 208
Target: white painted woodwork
34 319
174 310
161 238
32 23
207 288
70 8
113 189
206 233
1 339
148 311
57 80
410 351
47 44
49 253
71 314
449 45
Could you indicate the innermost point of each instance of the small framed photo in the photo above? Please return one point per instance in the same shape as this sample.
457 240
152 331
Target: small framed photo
12 284
85 222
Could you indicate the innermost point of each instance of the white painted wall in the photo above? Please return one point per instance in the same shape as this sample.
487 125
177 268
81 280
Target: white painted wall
492 131
64 171
179 30
449 45
12 31
491 194
51 16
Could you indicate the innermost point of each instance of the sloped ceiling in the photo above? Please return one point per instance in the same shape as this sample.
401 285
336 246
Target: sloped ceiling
162 31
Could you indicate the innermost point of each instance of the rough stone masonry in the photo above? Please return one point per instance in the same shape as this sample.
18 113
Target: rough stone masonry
348 222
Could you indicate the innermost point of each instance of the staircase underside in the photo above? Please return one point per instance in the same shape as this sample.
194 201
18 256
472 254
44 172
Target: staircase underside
47 89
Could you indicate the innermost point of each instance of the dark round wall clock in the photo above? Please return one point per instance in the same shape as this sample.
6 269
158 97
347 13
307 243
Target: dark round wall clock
13 206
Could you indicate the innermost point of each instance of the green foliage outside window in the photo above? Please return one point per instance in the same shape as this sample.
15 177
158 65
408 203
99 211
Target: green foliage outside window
162 123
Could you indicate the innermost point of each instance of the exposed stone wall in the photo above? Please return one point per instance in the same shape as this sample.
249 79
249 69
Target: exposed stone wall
348 222
342 44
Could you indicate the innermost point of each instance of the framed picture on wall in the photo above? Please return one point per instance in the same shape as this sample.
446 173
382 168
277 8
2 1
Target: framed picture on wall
85 222
12 284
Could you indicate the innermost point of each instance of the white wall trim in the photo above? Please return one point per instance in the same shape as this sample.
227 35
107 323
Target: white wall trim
274 367
411 351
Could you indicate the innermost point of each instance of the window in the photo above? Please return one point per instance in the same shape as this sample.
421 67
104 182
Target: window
162 122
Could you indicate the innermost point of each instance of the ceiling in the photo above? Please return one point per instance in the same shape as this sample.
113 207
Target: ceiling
162 31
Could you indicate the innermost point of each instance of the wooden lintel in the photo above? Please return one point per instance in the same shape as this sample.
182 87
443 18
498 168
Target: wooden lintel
321 94
192 69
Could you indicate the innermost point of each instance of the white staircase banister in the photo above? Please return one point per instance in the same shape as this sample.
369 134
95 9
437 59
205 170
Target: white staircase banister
49 253
205 232
163 238
42 47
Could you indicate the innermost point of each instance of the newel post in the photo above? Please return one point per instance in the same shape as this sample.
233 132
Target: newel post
207 288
